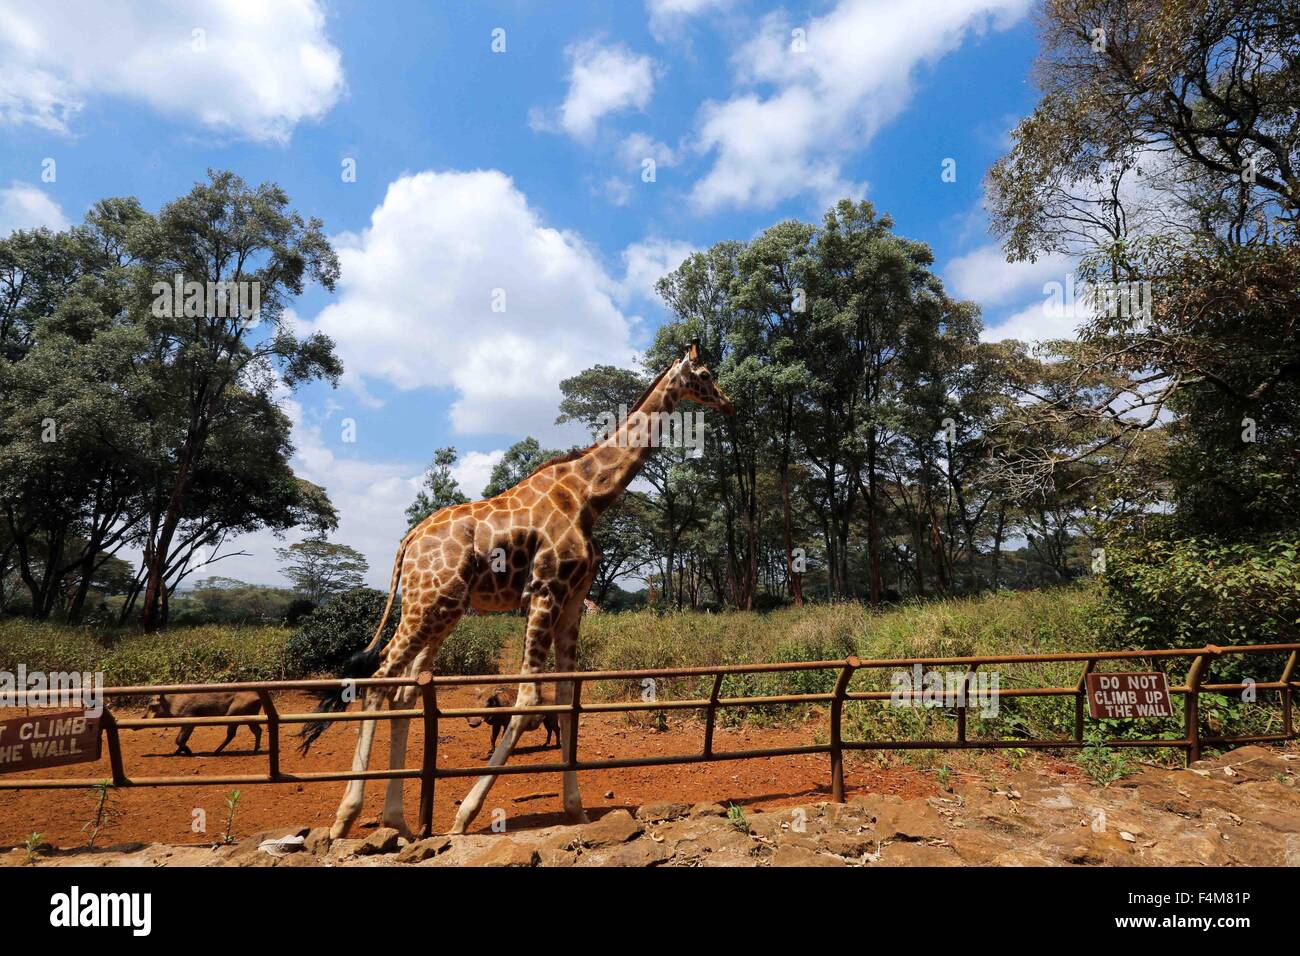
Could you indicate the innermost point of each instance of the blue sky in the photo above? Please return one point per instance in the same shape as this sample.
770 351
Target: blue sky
519 170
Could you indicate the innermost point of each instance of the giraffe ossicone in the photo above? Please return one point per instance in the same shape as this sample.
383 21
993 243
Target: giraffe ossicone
533 542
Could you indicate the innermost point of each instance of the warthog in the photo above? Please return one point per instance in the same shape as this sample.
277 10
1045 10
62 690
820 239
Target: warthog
218 704
505 697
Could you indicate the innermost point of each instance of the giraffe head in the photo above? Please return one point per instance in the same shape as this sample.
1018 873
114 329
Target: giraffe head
698 384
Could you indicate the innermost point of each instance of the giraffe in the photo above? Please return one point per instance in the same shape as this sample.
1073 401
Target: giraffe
532 544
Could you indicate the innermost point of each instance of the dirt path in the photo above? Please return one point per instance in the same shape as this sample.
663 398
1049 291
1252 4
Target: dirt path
1239 809
167 814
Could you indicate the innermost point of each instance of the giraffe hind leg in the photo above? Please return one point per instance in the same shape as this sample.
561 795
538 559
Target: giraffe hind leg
542 617
417 632
566 660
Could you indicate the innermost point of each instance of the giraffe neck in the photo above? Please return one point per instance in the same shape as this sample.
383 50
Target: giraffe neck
619 458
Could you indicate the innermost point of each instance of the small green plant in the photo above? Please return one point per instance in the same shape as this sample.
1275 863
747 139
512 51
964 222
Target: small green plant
944 773
1015 756
232 802
1103 765
104 811
33 847
736 817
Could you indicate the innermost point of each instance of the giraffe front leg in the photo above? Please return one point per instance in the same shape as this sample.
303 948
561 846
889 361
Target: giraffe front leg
393 815
354 795
566 659
542 617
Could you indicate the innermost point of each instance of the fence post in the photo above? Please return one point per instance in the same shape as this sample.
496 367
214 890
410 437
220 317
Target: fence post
961 706
1287 693
712 713
272 733
576 705
429 761
1079 698
1192 710
109 723
837 713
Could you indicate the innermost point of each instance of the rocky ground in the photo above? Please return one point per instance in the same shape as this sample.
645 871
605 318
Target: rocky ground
1242 808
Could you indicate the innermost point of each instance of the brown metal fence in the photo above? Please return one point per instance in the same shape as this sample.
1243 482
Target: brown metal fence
430 713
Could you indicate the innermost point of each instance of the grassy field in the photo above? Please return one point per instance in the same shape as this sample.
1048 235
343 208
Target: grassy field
1061 619
1010 622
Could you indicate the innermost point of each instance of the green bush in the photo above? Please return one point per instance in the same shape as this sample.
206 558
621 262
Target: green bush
1166 594
211 653
1194 592
336 630
344 624
1161 593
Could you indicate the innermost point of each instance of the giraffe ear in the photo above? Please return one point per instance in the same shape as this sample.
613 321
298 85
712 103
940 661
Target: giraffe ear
694 353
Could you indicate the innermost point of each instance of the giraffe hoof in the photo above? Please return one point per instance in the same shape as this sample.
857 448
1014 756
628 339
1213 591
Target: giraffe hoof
577 816
402 829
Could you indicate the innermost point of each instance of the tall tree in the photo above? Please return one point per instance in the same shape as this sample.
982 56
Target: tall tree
221 235
439 490
519 461
320 568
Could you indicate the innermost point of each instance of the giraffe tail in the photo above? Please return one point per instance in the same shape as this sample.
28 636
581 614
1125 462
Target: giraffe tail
363 663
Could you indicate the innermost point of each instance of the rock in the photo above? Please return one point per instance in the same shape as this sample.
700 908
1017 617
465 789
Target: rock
981 848
558 849
918 854
506 852
318 840
851 845
297 860
909 820
662 811
1084 846
707 810
637 853
383 840
341 849
613 828
786 856
421 850
609 794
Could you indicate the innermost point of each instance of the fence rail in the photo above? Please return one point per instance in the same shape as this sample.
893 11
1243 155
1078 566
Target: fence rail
430 713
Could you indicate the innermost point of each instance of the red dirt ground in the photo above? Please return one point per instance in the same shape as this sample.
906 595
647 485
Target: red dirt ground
164 814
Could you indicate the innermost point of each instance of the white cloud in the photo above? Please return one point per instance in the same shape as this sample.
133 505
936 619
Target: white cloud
415 305
473 470
255 70
984 275
668 15
23 206
790 134
647 261
638 147
1049 318
603 79
616 190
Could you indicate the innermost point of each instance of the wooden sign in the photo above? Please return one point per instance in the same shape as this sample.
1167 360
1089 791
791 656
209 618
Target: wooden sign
1128 695
48 740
